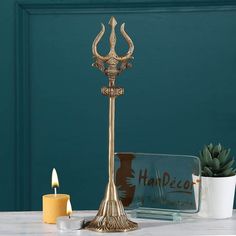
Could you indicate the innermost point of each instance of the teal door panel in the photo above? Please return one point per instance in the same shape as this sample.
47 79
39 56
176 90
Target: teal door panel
179 94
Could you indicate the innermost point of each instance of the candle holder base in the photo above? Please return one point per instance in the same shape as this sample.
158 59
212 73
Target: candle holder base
117 222
111 216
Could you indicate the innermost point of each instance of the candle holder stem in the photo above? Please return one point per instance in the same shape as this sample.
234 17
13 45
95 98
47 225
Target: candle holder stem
111 138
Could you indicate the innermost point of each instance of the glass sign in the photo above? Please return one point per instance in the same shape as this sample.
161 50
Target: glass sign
158 181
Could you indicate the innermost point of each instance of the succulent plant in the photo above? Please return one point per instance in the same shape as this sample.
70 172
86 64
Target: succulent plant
216 161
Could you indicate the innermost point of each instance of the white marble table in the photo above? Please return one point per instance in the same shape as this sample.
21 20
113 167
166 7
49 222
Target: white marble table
30 223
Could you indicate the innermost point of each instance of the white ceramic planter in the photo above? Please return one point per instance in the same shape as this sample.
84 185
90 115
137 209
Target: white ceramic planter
217 197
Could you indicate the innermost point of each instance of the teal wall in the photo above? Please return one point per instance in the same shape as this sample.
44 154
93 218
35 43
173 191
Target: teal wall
179 95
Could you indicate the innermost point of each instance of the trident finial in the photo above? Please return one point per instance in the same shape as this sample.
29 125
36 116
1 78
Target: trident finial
112 64
113 24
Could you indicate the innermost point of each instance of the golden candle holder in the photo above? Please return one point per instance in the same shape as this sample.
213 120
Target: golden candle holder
111 216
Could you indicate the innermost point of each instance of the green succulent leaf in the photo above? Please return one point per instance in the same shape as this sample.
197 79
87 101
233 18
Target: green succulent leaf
223 156
228 164
210 146
200 155
216 150
226 172
215 164
227 153
202 159
207 172
207 158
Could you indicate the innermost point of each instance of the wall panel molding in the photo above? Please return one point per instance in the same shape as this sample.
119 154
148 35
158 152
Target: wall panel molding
22 101
130 7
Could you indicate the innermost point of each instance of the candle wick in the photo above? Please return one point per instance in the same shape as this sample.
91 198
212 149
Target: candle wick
69 216
55 191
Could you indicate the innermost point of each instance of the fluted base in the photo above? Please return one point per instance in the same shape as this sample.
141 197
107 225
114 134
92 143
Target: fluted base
111 217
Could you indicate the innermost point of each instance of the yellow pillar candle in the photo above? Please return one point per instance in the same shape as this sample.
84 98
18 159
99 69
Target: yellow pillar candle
54 205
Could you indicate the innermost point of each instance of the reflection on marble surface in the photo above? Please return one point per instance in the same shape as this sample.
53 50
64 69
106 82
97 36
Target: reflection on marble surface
30 223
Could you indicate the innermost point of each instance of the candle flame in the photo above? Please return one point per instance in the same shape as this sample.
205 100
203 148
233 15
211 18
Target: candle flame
68 208
55 182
